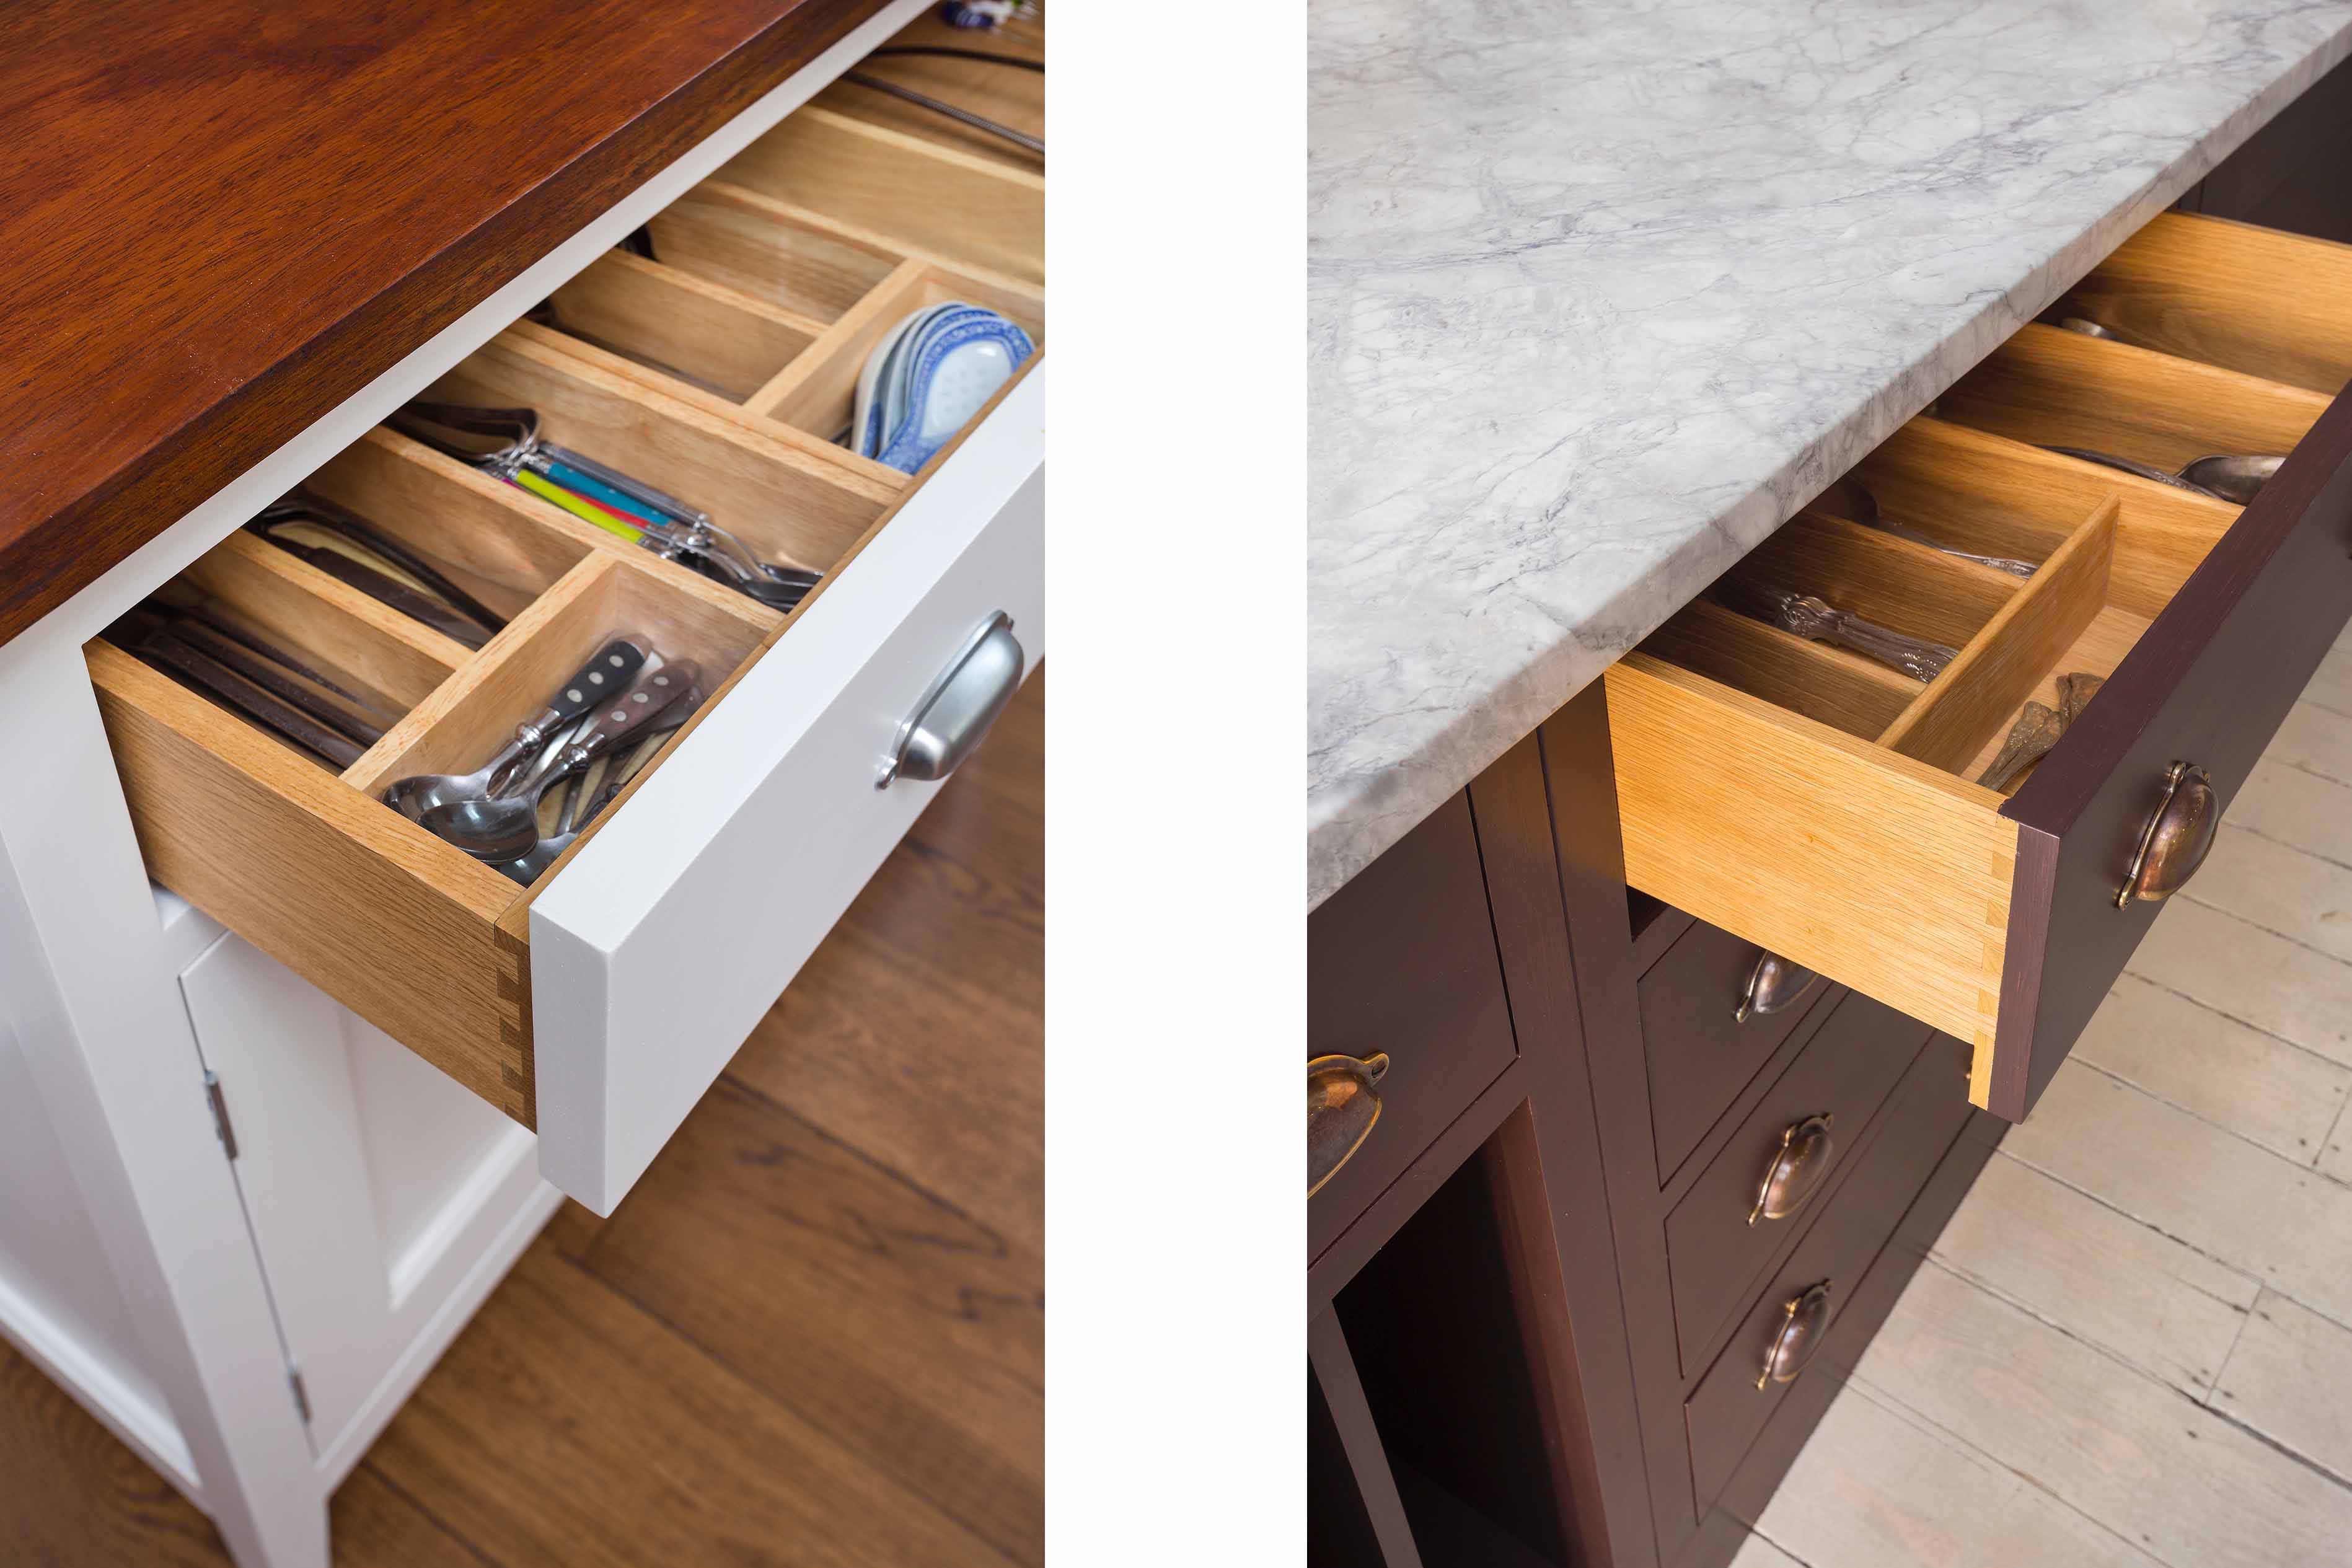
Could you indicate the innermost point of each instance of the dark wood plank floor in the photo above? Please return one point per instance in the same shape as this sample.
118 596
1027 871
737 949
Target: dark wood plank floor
814 1333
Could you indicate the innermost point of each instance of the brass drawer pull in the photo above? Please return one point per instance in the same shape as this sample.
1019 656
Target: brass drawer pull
1800 1334
1797 1168
1772 984
2173 843
1343 1102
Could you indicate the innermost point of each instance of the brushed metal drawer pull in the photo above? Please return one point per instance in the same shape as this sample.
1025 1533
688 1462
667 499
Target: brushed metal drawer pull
1343 1101
1799 1336
2178 834
962 701
1797 1168
1772 984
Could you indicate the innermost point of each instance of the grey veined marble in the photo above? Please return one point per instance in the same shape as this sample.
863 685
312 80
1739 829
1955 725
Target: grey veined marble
1598 293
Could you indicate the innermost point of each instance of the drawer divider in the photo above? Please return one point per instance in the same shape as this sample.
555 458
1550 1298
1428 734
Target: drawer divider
2008 660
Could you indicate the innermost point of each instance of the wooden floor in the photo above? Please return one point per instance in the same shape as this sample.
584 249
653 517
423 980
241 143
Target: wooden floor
814 1333
2134 1345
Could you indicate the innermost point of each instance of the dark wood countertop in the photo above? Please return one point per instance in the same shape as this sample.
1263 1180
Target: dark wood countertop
223 220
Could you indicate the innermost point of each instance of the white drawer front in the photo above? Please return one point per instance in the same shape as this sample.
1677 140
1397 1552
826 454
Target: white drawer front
656 952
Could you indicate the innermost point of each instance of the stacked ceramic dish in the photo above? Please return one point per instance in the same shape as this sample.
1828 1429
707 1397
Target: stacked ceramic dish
928 376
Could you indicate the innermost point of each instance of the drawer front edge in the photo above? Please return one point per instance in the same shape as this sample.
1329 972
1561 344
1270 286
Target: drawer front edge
660 948
2209 683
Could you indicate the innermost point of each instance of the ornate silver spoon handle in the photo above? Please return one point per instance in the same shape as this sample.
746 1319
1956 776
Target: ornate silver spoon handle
1819 621
1998 563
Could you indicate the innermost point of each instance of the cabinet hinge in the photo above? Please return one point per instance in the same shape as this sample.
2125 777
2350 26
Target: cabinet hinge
301 1394
219 1103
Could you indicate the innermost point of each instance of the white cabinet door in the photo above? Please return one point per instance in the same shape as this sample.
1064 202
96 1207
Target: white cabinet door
385 1200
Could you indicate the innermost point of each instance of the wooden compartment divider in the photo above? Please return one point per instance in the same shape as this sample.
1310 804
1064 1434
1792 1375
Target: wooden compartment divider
1900 584
816 391
770 249
2012 654
2048 386
686 326
2206 288
1999 496
934 198
474 714
477 531
1846 690
334 622
786 494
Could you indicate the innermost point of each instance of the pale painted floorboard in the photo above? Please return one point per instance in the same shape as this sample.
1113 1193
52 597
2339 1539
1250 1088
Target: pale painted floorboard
2070 1260
2289 1378
2278 887
2122 1449
2295 808
2258 1085
1757 1552
1878 1486
2134 1344
2256 976
2242 1205
2315 741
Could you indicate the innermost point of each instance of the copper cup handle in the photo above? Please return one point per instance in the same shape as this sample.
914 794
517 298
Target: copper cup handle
1797 1168
2173 843
1772 984
1343 1101
1798 1335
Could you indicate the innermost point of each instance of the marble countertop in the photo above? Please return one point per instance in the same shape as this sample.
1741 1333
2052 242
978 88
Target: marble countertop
1600 292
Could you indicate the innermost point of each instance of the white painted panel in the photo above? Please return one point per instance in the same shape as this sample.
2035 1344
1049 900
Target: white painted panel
427 1139
58 1299
656 952
277 1043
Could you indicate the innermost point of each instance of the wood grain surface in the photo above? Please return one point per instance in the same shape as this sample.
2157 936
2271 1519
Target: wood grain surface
231 218
813 1334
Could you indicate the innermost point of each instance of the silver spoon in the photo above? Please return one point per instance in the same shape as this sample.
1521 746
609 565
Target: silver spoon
1851 500
2235 479
610 669
529 866
507 827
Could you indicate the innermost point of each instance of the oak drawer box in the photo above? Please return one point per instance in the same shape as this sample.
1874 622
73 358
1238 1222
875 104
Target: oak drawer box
1401 973
1775 1341
1761 1185
1826 806
598 1004
1714 1009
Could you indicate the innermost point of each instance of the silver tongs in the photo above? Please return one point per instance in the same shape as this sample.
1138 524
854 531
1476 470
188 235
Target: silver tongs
1816 620
505 441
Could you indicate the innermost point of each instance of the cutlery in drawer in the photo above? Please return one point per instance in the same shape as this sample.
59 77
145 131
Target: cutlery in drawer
1816 620
505 443
1851 500
2235 479
271 696
349 548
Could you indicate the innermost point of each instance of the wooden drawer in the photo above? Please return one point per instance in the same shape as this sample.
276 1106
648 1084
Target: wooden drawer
1823 805
1727 1409
597 1005
1702 1048
1402 963
1720 1234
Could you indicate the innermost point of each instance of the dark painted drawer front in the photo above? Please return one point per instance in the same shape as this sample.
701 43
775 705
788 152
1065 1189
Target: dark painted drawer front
1700 1054
1727 1409
1845 1073
2210 683
1403 961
